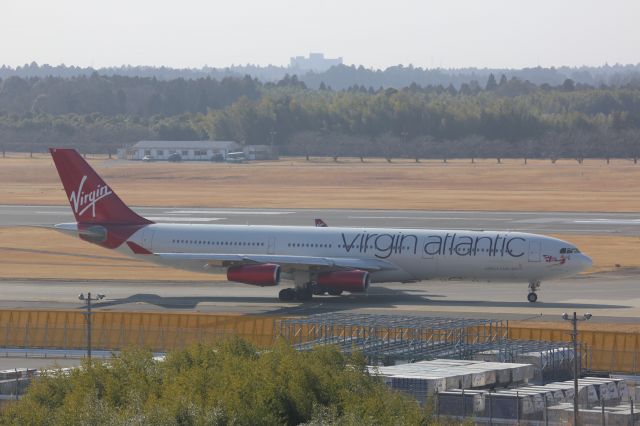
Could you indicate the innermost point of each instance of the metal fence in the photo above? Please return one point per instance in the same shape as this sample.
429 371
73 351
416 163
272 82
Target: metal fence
118 330
609 351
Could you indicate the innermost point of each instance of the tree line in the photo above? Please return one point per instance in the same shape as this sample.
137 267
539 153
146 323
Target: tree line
343 76
115 95
500 117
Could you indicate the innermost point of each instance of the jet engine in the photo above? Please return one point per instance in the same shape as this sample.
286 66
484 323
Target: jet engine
353 281
262 275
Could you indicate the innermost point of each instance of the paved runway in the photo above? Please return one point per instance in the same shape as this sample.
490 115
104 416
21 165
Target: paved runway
610 297
536 222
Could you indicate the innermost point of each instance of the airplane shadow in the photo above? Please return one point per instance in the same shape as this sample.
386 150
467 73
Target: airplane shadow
381 298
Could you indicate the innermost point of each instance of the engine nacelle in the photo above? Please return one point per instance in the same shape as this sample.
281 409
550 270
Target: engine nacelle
353 281
263 275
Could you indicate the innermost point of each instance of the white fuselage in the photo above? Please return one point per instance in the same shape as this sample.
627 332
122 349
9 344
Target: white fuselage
415 254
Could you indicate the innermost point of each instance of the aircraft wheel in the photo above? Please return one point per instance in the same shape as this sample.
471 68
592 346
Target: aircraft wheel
532 297
287 294
335 292
304 294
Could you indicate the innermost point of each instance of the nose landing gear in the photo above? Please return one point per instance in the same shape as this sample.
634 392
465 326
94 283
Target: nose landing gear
532 296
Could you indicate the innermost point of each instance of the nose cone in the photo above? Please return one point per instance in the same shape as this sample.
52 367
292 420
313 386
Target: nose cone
583 262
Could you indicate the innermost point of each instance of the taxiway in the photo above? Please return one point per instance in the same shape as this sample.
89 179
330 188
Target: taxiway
627 224
610 297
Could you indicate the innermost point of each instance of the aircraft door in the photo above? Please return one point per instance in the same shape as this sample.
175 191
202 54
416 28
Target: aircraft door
271 245
534 250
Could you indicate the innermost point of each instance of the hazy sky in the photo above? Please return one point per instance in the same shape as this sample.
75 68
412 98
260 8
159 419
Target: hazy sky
427 33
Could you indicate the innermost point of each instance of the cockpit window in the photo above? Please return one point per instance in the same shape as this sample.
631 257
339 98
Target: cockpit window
569 250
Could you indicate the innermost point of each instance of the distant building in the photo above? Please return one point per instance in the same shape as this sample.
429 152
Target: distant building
315 62
188 150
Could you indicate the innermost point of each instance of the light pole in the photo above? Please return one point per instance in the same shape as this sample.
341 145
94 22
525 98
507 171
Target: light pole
88 299
272 134
404 135
574 338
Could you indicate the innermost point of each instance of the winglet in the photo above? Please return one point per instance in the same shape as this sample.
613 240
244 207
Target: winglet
321 224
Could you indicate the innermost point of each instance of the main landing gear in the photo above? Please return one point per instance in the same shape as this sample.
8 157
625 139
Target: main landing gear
287 294
301 294
304 294
303 291
532 296
305 288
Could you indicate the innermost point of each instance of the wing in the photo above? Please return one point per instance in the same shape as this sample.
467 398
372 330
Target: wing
286 262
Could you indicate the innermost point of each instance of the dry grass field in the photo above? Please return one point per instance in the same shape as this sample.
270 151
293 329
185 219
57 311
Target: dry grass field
321 183
375 184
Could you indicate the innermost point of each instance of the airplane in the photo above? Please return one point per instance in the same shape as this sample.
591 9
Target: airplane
319 260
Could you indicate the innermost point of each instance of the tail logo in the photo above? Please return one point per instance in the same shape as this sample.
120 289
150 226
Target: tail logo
83 201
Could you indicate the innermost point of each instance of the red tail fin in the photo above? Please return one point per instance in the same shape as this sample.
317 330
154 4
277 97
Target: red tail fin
91 199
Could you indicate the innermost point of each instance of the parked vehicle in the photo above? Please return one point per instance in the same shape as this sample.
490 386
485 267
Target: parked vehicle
174 158
235 157
218 157
148 158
